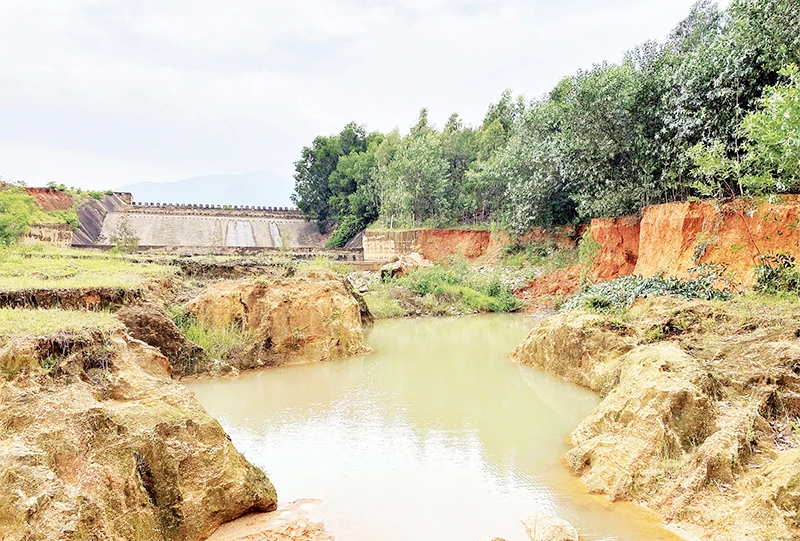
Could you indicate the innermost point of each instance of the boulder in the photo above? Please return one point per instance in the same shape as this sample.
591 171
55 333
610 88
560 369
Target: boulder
106 446
543 527
406 264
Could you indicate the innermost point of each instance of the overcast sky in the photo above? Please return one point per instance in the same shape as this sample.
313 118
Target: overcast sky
101 93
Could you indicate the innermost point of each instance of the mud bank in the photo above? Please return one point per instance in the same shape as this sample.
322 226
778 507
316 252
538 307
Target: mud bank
674 237
696 418
96 441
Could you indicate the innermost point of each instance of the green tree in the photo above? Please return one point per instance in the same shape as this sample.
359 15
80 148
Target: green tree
17 212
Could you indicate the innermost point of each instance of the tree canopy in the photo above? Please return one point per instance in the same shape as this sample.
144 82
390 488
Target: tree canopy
712 111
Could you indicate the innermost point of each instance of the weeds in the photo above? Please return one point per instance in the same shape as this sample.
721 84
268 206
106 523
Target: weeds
777 273
218 343
620 293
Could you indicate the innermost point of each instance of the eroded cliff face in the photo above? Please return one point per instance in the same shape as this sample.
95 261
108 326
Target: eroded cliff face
675 237
102 444
309 319
699 401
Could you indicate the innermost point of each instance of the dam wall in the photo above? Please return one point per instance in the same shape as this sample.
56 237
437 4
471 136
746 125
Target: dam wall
157 225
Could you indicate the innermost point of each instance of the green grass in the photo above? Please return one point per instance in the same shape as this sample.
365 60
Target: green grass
382 305
34 267
448 288
32 323
218 343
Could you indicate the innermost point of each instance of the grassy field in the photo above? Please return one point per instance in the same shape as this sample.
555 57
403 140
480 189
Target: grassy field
28 323
32 268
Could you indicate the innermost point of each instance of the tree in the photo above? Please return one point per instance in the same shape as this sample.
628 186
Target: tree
17 212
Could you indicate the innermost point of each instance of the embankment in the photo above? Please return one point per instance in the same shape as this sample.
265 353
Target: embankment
440 244
307 319
675 237
699 409
97 442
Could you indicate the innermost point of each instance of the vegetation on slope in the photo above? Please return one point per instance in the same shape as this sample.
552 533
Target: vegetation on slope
18 211
29 323
23 268
711 111
448 288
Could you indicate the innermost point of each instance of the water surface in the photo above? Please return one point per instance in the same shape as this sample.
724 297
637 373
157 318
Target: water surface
435 436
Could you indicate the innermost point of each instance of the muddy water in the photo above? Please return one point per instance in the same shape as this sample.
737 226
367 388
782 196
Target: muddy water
437 435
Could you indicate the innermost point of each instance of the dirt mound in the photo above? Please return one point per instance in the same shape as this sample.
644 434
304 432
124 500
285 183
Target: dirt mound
548 288
309 319
154 327
696 419
99 443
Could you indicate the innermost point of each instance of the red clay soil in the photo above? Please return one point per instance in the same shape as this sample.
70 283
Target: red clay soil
619 246
439 244
49 199
546 289
676 237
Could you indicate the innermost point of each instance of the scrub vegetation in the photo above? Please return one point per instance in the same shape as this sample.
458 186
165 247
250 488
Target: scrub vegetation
448 288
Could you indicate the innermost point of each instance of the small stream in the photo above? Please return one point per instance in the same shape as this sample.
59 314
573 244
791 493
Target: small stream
437 435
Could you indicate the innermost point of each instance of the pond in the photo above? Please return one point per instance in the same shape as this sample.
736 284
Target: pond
436 435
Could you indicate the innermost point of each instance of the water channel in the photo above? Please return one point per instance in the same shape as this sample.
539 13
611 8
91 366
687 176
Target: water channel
436 435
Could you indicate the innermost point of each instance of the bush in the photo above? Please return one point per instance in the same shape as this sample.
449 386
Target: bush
462 286
777 273
218 343
620 293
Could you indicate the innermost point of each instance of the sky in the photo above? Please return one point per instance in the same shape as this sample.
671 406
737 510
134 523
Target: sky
102 93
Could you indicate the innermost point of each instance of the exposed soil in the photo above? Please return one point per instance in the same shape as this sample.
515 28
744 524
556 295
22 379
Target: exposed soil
97 442
700 406
675 237
101 298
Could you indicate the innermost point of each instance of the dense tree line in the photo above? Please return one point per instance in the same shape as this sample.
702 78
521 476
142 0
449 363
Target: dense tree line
712 111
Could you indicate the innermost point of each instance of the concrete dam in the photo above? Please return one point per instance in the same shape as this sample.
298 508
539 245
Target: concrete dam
167 225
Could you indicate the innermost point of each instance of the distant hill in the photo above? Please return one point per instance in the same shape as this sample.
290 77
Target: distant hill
254 188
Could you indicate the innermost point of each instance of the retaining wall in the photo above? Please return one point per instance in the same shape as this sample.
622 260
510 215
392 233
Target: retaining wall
53 234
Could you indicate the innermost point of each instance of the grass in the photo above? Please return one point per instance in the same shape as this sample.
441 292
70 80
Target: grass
24 268
322 264
382 305
16 323
446 288
218 343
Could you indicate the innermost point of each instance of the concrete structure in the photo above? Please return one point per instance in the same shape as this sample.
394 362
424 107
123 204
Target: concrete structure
388 245
211 226
53 234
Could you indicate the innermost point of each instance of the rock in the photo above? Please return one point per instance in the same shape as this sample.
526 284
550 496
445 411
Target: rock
581 348
295 521
698 400
543 527
107 446
291 321
405 264
154 327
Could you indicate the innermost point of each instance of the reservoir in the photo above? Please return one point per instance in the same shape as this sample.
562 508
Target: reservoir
437 435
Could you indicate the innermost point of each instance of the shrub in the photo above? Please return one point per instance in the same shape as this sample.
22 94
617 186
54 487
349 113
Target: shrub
620 293
777 273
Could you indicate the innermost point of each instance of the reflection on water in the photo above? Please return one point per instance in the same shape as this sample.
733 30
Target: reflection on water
436 435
